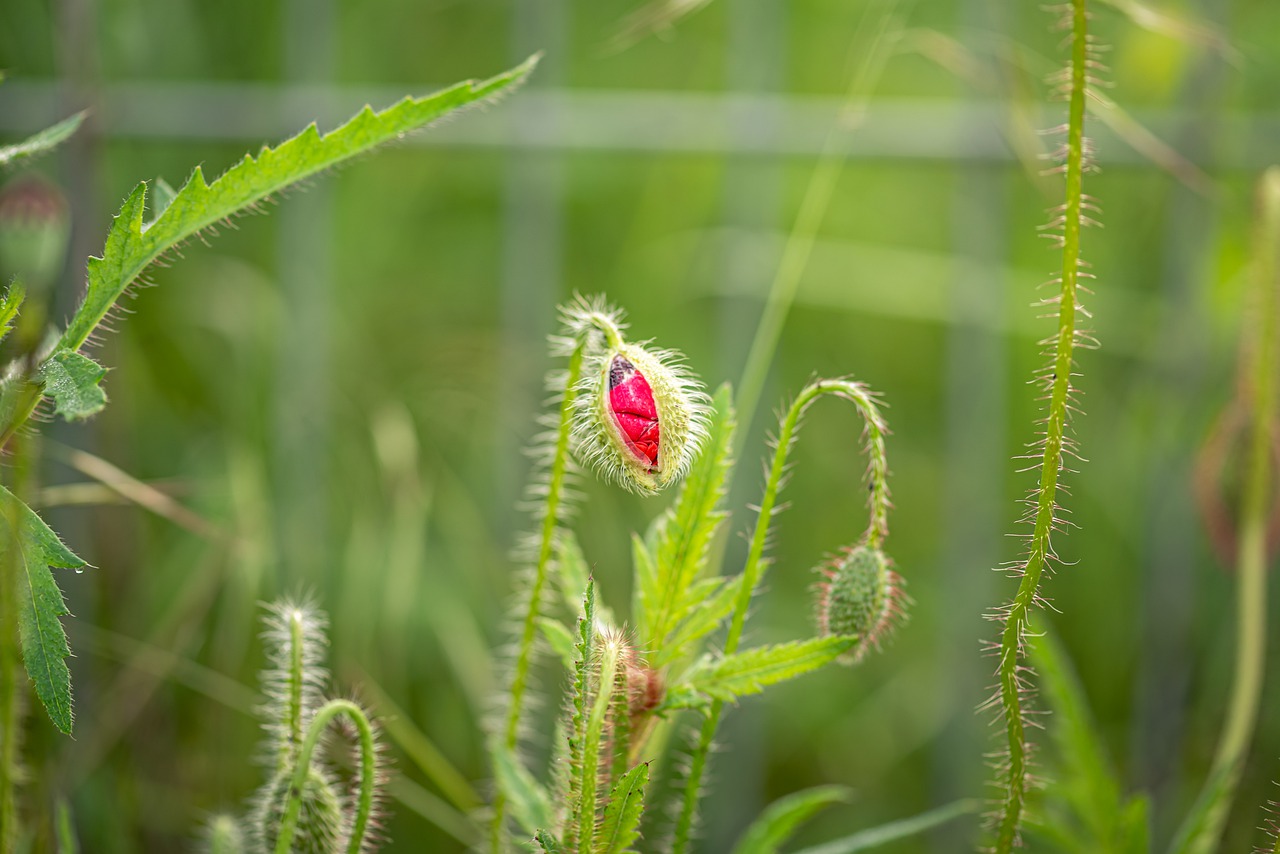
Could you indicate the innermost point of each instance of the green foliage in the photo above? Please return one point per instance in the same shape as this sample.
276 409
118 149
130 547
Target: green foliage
895 831
44 643
1094 814
14 294
779 821
749 672
42 142
71 379
621 823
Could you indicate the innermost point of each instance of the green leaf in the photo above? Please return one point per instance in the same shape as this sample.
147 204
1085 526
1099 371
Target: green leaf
1135 826
530 804
896 830
561 640
41 142
44 643
71 379
1085 777
750 671
162 195
682 539
9 305
198 206
716 598
780 819
548 843
621 824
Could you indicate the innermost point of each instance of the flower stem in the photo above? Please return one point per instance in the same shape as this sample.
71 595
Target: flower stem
877 530
546 544
364 804
1018 612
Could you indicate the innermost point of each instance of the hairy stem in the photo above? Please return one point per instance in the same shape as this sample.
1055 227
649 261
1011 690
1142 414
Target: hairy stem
546 545
10 685
877 530
1017 617
364 803
293 702
589 772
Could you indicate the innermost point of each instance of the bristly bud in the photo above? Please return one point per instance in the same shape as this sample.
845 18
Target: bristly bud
640 416
223 835
861 595
321 826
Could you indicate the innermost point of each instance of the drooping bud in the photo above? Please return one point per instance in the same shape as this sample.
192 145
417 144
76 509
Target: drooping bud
320 826
860 596
641 417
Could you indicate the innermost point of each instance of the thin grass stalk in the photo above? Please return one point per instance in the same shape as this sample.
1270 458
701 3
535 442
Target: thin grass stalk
1204 834
877 530
368 774
1017 614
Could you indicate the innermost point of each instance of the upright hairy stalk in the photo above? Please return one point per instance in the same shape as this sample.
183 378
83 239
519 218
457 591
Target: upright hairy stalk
584 321
11 681
1057 378
877 529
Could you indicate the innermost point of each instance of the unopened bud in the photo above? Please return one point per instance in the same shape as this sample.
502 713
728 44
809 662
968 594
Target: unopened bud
861 596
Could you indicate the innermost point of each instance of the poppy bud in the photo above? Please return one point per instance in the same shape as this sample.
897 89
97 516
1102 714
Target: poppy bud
860 596
641 417
320 826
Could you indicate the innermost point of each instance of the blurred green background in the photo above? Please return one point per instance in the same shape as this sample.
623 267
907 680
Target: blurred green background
342 390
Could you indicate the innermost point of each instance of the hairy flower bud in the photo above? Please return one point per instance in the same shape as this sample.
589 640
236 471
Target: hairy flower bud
641 417
860 596
35 227
321 826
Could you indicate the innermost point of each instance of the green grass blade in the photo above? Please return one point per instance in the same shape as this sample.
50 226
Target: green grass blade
527 800
896 831
41 142
44 643
780 819
1086 775
621 823
198 206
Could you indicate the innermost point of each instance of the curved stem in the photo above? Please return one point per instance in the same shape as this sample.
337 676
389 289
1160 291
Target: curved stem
364 805
546 544
877 530
1017 616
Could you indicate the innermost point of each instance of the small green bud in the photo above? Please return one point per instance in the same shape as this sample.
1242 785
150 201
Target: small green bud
222 835
321 825
35 228
860 596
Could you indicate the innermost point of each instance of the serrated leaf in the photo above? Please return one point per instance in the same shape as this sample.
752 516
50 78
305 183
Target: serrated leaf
621 823
894 831
561 641
751 671
130 247
681 537
780 819
41 142
44 643
715 603
9 305
162 195
528 800
71 379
